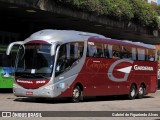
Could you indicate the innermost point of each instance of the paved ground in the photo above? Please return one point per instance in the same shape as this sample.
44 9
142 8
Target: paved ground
151 102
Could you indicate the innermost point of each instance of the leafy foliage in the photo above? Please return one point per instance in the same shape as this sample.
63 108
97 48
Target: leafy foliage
145 14
138 11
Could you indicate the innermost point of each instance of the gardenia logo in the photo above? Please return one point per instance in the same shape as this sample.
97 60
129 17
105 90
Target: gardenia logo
21 81
136 67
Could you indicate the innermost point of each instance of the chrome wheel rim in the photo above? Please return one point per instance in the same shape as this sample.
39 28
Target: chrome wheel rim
133 92
141 90
76 93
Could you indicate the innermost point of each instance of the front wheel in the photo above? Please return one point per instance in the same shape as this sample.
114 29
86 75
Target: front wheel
76 94
132 93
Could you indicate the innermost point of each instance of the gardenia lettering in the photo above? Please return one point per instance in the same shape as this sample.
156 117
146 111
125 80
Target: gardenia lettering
136 67
21 81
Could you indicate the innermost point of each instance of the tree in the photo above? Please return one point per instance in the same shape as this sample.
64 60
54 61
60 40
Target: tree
138 11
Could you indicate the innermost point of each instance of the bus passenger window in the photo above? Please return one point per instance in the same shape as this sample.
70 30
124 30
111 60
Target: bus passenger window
116 52
95 50
134 54
92 51
110 51
126 52
141 53
115 55
100 52
106 51
151 55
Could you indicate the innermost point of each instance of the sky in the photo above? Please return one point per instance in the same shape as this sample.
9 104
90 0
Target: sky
158 1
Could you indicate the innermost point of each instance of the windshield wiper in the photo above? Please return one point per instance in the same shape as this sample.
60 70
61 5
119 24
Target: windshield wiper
35 76
41 75
26 76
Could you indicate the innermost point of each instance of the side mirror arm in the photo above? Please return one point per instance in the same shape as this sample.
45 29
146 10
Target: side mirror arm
11 45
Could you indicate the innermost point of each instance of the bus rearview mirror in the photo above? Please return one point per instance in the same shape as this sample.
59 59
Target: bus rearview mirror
11 45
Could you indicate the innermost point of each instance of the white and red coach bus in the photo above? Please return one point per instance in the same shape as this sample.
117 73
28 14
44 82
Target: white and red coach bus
66 63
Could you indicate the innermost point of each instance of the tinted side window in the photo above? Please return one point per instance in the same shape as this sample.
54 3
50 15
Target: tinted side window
95 49
151 55
116 51
76 50
106 51
141 53
134 53
126 52
68 56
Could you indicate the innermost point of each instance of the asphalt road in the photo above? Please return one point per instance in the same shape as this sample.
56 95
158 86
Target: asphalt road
151 102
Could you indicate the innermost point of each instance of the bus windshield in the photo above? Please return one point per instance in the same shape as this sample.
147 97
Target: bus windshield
34 60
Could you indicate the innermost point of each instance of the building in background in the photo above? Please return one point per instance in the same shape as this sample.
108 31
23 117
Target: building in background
158 57
153 1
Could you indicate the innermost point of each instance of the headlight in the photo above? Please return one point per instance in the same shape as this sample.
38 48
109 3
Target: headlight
16 85
50 87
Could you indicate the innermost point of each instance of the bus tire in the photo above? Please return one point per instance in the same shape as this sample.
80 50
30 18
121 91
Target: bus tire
76 94
141 91
132 93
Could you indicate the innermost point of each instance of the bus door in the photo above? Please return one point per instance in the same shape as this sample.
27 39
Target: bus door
68 64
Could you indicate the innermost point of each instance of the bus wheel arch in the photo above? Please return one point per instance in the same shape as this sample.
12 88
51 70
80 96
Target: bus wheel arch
77 93
141 91
133 91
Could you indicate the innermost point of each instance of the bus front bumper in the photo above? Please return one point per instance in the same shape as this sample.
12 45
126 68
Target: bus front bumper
46 91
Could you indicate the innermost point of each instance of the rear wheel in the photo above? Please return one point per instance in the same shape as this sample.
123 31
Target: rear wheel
132 93
141 91
76 94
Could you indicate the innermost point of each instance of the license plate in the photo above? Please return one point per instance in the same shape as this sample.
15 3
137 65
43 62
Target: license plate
29 93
